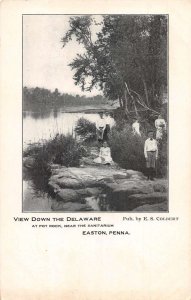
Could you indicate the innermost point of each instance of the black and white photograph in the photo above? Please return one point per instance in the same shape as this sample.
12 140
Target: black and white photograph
95 113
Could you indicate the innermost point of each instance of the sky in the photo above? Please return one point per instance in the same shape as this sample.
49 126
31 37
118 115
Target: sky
45 61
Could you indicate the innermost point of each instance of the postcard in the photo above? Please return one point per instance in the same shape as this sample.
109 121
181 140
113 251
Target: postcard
95 150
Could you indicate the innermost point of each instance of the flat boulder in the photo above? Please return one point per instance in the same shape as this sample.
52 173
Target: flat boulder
162 206
94 191
82 192
133 172
124 188
137 177
62 174
90 191
68 195
147 197
142 199
106 180
120 176
130 202
69 183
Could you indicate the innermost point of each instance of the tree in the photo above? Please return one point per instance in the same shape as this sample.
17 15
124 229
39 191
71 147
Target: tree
128 60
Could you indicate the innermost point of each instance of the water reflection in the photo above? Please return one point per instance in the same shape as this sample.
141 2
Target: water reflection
99 203
45 125
33 199
37 115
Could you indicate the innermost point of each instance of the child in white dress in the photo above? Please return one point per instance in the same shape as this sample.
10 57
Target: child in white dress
104 155
136 127
160 125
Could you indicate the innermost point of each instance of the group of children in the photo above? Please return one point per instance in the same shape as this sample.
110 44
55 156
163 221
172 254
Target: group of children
160 126
150 146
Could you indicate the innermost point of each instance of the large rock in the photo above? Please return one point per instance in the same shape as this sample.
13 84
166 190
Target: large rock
82 192
133 172
162 206
62 175
142 199
120 176
87 182
70 206
68 195
153 197
69 183
124 188
137 177
105 180
132 201
95 191
54 187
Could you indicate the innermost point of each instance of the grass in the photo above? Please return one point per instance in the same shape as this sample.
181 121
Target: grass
61 149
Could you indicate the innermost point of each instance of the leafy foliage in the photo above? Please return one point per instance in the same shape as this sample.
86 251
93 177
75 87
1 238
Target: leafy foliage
127 149
128 60
61 149
86 129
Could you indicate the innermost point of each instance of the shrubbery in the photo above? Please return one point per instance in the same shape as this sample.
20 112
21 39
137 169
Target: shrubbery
127 149
86 129
61 149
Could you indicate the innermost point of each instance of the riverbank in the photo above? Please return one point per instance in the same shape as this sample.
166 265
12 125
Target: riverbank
76 183
95 187
105 188
107 107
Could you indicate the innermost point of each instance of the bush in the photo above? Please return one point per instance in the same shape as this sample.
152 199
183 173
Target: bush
86 129
61 149
127 149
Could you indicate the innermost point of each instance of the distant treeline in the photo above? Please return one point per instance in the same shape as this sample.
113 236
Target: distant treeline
38 99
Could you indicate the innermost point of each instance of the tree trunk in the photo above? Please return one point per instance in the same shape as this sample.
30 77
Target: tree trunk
144 82
125 103
145 90
120 103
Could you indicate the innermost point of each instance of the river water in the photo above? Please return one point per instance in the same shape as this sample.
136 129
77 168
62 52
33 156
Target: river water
36 127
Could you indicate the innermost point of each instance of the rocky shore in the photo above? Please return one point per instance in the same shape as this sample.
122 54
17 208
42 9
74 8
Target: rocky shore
105 188
95 187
